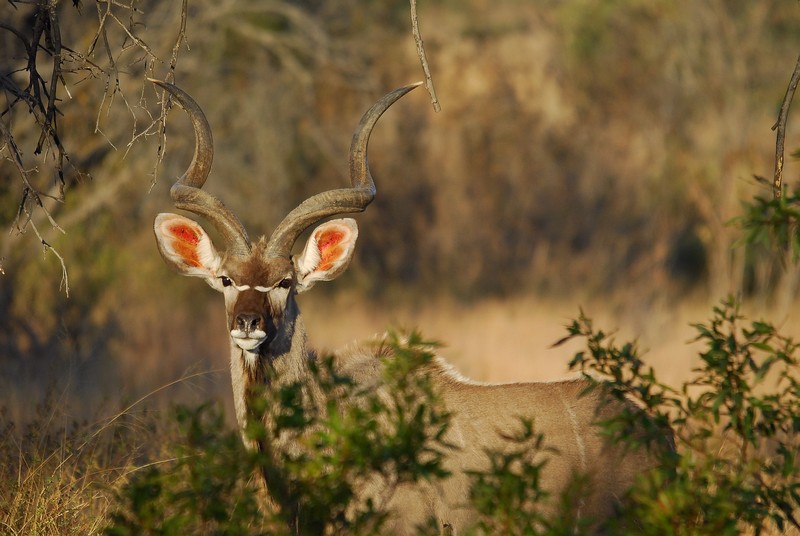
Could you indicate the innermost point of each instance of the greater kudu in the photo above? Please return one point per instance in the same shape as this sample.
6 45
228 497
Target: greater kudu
259 281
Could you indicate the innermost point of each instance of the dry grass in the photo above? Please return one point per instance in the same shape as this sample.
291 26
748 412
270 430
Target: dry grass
58 484
61 476
58 500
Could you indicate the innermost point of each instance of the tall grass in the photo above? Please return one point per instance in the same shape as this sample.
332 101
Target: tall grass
60 475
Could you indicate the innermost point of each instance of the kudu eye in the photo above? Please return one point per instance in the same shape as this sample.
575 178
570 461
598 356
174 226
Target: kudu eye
226 281
286 282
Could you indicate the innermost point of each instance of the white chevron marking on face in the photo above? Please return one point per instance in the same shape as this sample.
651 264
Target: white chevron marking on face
257 288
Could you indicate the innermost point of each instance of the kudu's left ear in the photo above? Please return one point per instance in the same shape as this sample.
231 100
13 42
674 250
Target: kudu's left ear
186 247
327 253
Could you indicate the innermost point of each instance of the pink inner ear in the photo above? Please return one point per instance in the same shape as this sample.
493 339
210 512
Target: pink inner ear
330 250
184 243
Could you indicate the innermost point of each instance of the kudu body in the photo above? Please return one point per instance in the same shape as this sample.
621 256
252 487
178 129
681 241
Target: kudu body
259 281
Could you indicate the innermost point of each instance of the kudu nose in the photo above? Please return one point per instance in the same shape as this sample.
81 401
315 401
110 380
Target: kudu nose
249 322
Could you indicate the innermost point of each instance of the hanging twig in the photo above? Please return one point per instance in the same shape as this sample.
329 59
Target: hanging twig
780 128
31 195
421 53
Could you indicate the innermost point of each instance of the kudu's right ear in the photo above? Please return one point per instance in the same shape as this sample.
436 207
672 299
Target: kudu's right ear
186 247
327 253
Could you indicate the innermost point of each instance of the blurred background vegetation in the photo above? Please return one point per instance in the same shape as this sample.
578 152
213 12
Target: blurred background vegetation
586 151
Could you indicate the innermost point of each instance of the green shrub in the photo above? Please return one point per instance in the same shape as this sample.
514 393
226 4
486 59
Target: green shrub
351 436
736 423
773 223
204 490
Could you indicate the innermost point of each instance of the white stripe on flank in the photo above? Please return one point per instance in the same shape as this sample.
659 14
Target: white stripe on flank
573 419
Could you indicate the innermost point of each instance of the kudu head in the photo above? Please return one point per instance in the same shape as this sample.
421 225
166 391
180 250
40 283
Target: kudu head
260 279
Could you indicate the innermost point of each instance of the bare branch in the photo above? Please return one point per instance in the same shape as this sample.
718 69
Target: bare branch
422 57
159 125
30 194
47 68
780 127
64 277
133 37
181 40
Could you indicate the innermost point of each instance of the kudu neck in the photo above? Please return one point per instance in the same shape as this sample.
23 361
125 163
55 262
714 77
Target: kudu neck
285 360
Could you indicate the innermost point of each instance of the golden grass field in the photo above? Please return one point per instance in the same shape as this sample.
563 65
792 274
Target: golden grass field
510 340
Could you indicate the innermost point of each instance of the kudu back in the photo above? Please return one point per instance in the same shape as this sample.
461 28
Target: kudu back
260 280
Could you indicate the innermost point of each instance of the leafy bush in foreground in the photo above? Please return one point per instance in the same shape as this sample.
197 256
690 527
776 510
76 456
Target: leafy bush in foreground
735 421
354 435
